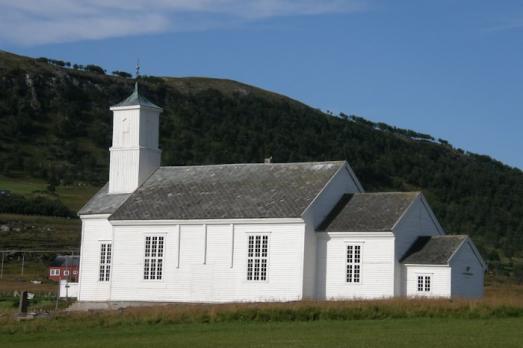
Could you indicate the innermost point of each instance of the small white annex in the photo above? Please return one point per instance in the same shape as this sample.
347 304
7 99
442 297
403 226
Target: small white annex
257 232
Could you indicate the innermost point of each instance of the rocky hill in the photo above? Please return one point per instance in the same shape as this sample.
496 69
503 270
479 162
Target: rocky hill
55 125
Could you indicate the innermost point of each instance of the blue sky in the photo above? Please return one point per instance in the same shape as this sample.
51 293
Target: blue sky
453 69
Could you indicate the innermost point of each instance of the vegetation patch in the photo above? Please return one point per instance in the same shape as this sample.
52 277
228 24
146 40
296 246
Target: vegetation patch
39 205
279 312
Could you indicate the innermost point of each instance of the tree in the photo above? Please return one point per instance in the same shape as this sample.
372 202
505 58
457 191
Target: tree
122 74
94 68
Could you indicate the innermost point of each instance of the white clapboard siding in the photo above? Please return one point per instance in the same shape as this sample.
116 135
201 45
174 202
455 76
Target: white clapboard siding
377 269
440 280
467 273
416 221
343 182
134 154
94 232
211 266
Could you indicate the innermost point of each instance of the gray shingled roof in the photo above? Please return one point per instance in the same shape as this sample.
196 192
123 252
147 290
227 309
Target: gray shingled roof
433 250
278 190
65 260
136 99
367 212
103 203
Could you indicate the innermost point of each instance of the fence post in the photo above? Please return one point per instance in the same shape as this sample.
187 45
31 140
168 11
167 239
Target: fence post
2 267
23 261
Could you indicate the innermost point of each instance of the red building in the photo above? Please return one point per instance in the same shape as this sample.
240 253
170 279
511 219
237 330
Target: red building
64 267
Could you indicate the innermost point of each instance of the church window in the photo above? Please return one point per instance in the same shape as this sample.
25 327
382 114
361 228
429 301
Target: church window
153 264
424 283
257 255
353 271
105 262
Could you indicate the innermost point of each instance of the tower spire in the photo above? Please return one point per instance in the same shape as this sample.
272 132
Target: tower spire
137 68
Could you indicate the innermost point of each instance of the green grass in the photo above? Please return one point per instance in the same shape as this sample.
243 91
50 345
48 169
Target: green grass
39 232
73 196
363 333
23 186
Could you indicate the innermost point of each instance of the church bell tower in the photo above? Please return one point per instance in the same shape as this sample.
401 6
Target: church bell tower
134 153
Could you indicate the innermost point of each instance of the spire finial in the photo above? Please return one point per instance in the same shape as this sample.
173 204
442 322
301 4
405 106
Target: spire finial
137 68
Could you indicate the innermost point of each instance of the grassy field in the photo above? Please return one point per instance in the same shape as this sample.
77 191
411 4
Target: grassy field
32 232
496 320
74 196
362 333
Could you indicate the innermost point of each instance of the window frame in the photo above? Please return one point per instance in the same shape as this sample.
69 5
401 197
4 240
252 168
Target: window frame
426 279
353 264
146 259
54 272
266 258
108 261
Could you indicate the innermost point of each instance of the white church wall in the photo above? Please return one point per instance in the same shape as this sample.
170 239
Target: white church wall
134 154
126 127
467 273
341 183
94 232
417 221
377 267
207 263
439 280
149 128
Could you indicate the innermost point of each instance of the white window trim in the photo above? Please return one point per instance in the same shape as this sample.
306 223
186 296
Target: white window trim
361 245
431 284
164 257
55 272
244 275
108 261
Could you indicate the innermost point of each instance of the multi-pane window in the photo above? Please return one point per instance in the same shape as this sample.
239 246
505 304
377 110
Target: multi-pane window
153 264
257 253
353 263
423 283
55 272
105 262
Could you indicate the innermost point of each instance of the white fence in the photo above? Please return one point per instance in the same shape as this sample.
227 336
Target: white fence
68 289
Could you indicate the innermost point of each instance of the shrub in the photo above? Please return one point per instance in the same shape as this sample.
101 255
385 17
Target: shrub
39 205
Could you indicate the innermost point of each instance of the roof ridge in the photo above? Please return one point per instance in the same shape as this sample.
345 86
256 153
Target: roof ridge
254 163
450 235
388 193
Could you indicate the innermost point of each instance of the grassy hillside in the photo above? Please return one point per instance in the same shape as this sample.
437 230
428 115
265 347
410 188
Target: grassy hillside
55 126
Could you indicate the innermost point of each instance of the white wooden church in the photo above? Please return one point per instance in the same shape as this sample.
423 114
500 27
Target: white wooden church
257 232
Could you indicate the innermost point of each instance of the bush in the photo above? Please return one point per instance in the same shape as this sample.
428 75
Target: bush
95 68
39 205
122 74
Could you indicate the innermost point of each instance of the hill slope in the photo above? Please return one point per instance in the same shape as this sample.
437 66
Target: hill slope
55 124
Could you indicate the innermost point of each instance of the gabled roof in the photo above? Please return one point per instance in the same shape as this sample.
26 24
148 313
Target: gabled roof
65 261
367 212
136 99
433 250
103 202
230 191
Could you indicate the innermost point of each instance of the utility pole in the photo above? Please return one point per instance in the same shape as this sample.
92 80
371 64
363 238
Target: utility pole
23 262
2 267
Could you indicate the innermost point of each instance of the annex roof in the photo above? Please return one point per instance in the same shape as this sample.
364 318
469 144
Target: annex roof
433 250
367 212
103 202
229 191
136 99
